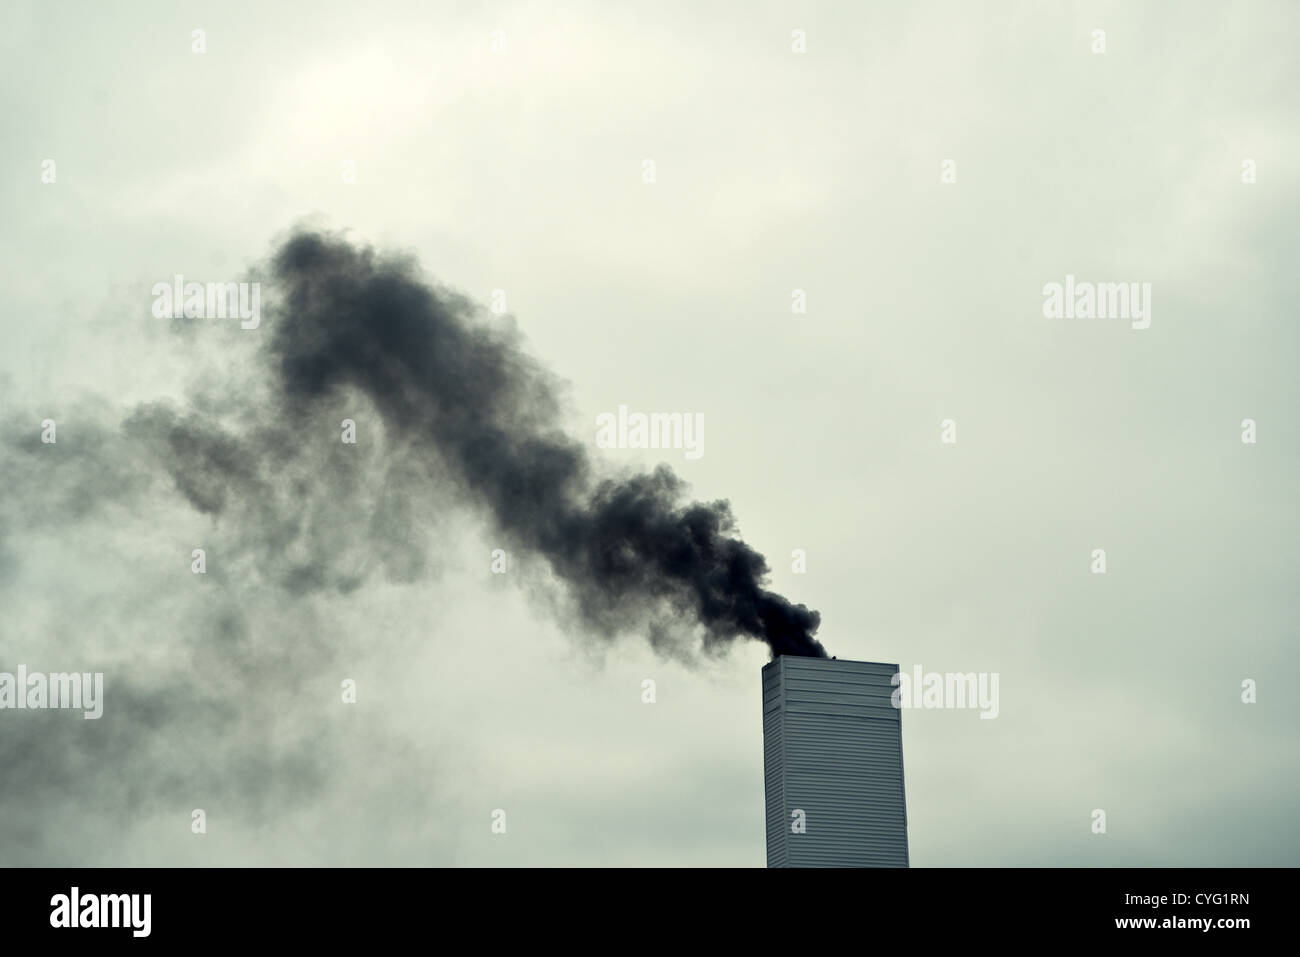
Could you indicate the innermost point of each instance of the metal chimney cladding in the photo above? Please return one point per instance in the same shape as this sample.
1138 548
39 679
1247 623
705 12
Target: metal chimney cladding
833 764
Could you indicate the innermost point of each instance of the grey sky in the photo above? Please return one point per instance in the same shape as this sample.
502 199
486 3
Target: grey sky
522 171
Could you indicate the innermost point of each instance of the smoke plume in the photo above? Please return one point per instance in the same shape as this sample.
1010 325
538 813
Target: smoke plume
632 551
245 460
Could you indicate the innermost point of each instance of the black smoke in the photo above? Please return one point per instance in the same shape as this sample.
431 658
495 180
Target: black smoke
632 551
241 456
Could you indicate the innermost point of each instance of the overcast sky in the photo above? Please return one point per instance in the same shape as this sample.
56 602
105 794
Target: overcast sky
521 168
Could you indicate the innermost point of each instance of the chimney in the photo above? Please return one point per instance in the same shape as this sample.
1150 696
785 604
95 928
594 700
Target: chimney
833 764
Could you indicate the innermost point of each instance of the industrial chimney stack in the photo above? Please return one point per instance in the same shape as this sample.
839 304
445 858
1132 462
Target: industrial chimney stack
833 764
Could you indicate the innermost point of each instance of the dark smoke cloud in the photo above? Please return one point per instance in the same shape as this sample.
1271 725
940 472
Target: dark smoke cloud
98 528
632 551
446 397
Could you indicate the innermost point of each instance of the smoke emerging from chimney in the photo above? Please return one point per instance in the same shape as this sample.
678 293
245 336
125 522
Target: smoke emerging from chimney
632 551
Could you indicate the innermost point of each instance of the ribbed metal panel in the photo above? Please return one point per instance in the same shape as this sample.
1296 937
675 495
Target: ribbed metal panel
773 767
833 748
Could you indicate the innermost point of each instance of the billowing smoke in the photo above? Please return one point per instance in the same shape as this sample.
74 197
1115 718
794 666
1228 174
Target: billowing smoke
632 551
242 457
450 405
